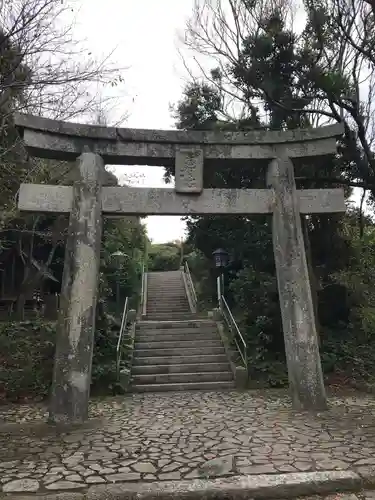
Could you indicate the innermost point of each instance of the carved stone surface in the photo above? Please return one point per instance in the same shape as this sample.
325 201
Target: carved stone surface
301 342
150 201
315 201
189 170
76 323
64 147
62 140
59 127
45 198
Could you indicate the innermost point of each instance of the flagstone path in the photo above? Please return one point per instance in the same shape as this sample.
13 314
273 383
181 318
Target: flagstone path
181 436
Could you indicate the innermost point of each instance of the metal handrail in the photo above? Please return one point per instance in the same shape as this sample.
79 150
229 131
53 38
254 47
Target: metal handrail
143 304
121 334
231 322
142 287
191 284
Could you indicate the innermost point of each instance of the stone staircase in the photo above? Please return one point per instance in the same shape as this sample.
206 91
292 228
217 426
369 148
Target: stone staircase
174 350
166 296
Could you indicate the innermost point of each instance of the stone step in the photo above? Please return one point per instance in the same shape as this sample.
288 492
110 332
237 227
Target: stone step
166 283
166 301
173 298
197 324
165 275
193 386
161 294
177 344
189 315
168 307
164 317
174 327
167 316
191 324
166 290
178 311
178 378
167 312
177 336
178 351
180 368
165 286
178 360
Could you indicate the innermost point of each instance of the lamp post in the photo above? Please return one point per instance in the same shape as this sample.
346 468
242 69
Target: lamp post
221 258
118 258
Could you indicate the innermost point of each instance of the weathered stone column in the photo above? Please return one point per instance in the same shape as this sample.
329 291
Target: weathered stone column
301 343
76 322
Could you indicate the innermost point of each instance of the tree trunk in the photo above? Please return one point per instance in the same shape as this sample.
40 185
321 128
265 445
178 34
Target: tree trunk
312 277
20 306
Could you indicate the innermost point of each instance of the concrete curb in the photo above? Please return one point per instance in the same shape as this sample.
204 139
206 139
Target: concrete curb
236 488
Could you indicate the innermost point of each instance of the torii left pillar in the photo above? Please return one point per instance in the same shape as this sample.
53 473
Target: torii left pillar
76 322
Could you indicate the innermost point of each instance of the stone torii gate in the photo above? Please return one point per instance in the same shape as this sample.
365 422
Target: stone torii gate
87 201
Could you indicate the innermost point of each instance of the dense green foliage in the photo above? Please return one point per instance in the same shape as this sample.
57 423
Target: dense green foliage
164 257
28 347
27 353
26 359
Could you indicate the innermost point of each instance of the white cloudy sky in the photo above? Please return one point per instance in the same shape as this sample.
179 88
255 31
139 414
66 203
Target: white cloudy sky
145 35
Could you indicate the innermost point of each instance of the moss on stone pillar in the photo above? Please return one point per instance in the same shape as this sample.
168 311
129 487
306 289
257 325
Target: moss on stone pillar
76 322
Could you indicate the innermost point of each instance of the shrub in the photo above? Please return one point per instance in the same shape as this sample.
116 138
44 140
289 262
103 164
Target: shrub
27 352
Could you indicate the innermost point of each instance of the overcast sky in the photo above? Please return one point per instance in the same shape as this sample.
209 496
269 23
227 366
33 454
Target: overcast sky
144 33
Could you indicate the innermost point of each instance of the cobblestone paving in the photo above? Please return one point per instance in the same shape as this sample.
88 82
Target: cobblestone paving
185 435
363 495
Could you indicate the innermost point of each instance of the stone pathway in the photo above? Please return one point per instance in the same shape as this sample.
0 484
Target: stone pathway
363 495
184 435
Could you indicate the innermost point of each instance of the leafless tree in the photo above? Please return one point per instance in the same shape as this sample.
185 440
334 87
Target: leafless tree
53 71
44 70
214 37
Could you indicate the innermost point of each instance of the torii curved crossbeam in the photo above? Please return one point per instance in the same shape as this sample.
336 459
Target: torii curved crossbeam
61 140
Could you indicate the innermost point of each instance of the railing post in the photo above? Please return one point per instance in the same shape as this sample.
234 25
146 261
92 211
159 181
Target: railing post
122 328
218 287
144 301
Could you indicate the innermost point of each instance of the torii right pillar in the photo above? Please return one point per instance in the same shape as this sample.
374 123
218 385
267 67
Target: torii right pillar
301 341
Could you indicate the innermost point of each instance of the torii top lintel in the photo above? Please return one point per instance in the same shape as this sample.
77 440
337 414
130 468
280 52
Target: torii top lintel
61 140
